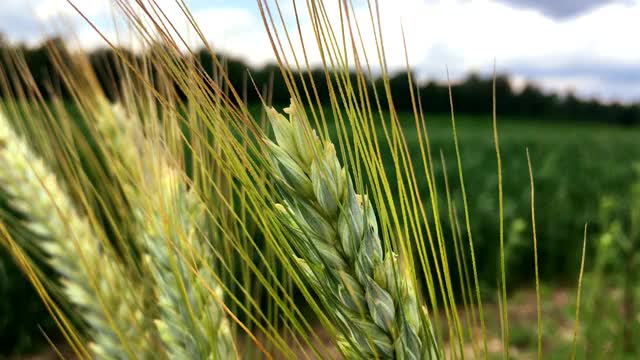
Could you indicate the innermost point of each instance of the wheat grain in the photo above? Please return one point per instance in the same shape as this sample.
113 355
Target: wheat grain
335 232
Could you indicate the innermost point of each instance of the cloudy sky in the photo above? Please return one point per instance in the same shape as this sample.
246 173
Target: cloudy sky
587 46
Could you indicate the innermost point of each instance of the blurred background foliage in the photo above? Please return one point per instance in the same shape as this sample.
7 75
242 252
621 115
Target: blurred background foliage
472 94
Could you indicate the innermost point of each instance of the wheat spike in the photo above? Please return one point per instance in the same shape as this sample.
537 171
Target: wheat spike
192 323
340 252
123 140
91 280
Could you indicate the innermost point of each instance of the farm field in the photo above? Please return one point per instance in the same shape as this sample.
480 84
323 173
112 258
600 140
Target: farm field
583 174
576 168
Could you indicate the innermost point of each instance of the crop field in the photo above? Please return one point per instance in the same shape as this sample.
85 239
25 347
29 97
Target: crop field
575 166
580 171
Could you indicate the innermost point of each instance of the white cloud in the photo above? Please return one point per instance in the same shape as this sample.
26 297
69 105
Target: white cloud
476 32
50 9
237 32
469 35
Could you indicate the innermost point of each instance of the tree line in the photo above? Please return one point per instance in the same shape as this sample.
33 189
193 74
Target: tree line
473 95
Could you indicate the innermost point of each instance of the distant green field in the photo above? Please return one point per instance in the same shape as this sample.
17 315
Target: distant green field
574 164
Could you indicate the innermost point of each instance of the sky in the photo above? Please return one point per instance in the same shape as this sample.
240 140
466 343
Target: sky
585 46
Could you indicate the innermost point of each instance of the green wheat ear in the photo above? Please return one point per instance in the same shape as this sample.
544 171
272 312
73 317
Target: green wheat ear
169 220
192 323
93 281
335 232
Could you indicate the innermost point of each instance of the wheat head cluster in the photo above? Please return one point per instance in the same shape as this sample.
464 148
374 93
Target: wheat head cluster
335 235
177 222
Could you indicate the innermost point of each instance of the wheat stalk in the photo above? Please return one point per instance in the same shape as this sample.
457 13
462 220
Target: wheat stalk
335 232
91 279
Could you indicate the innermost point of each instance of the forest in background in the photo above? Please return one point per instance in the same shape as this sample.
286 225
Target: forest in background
472 96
